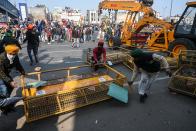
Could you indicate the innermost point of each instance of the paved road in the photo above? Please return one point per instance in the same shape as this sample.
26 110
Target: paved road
163 111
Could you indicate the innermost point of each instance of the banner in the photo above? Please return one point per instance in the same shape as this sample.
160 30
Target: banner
23 11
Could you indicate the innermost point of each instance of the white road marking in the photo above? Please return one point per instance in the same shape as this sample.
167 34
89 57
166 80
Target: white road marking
65 51
51 52
60 45
56 61
61 61
68 62
158 79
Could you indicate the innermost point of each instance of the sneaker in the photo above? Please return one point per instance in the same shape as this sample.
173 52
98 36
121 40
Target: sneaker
37 61
145 95
142 98
49 43
130 83
8 109
31 64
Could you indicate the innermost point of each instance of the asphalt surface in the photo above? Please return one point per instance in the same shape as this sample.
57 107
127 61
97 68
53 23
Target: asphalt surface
163 110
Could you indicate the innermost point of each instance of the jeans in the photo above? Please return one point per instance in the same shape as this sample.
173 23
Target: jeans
3 89
5 99
35 51
9 101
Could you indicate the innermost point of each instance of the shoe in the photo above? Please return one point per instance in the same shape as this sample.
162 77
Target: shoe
142 98
49 43
7 109
31 64
4 111
145 95
37 62
130 83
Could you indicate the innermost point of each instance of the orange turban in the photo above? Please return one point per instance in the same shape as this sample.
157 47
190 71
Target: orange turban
12 49
30 26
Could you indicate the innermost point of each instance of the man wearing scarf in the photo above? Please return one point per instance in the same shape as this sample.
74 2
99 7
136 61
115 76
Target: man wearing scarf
149 64
8 60
98 52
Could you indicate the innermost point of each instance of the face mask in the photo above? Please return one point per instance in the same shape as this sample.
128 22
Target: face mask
11 58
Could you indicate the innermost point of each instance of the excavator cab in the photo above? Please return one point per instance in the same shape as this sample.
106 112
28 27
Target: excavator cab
147 2
185 31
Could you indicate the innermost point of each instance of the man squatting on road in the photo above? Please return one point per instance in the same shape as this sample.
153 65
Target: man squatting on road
99 55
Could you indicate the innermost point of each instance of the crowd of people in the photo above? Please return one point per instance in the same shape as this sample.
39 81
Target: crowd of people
63 31
54 33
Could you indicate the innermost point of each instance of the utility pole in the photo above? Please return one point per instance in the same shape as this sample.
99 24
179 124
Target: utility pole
171 9
15 3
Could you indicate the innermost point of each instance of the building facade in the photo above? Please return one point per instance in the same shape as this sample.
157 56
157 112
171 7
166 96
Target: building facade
59 14
39 12
92 17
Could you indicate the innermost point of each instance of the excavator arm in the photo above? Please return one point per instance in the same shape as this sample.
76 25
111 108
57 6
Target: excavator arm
131 5
166 29
164 26
133 25
151 21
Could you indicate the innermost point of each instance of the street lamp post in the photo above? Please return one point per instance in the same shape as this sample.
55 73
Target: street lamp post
171 8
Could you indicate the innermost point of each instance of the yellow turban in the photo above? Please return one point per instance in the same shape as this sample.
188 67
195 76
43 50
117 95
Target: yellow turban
12 49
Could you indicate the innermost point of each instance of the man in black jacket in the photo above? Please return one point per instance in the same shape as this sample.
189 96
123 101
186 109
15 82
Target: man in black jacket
149 64
8 60
33 43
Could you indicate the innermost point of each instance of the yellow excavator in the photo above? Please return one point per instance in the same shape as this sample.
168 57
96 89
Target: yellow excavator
185 30
162 35
166 38
133 8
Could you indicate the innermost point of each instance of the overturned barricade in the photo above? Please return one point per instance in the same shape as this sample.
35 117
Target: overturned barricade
184 79
47 94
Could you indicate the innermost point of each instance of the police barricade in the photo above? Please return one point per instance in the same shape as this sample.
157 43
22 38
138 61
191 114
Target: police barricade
184 79
57 91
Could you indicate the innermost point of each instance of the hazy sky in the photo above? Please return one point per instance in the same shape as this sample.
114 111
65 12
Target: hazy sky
162 6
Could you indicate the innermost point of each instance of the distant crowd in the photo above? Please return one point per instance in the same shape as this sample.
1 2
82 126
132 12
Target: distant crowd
56 32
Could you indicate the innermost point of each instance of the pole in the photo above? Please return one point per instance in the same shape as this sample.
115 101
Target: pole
171 8
6 13
15 3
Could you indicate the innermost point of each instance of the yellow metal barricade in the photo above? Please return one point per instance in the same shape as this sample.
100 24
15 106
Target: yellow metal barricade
184 79
122 56
68 94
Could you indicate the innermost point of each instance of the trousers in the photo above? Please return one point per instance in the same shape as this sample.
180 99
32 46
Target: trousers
33 48
146 81
5 99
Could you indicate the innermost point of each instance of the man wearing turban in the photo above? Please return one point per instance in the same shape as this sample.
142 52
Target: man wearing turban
149 64
9 60
32 39
99 55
